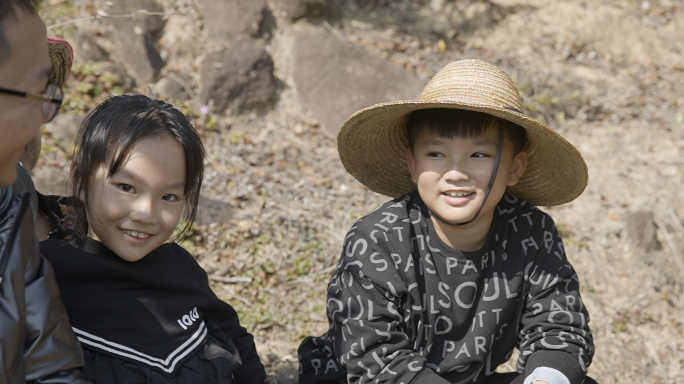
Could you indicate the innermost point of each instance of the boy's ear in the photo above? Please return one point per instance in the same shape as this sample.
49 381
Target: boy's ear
411 166
517 168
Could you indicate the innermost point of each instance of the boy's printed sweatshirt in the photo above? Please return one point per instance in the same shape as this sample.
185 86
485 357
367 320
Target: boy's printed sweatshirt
406 308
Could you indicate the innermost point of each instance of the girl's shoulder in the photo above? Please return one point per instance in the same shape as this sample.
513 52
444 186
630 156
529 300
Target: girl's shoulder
61 213
173 255
173 249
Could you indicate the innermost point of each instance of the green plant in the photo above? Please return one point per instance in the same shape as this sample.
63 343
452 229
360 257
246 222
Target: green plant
87 86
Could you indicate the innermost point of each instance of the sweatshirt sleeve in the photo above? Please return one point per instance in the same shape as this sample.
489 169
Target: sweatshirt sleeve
370 341
225 317
554 331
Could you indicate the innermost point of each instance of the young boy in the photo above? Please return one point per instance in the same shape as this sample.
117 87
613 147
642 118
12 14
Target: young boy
441 284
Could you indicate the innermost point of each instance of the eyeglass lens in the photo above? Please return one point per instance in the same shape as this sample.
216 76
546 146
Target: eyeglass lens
50 108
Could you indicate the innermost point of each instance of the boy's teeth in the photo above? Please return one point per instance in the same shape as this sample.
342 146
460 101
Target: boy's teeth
458 194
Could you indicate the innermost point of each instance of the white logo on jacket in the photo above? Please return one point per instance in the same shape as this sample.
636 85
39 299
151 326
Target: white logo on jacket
189 319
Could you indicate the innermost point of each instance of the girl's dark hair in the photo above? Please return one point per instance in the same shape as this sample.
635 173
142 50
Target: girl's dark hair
461 123
114 126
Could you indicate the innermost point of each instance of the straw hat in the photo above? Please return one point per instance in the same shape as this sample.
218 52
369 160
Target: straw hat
62 57
373 142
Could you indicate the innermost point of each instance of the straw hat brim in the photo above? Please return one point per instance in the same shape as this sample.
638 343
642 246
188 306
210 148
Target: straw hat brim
62 57
373 146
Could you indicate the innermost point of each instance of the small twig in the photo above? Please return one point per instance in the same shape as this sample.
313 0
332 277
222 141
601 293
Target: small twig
231 280
104 15
185 86
334 31
540 108
672 245
675 220
325 270
238 297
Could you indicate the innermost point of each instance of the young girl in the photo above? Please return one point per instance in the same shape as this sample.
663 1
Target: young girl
140 304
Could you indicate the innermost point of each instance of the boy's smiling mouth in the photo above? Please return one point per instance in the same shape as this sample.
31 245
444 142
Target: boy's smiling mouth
457 194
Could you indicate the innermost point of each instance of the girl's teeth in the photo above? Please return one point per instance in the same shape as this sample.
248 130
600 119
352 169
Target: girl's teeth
137 234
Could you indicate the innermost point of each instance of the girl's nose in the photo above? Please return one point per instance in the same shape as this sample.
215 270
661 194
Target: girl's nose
143 211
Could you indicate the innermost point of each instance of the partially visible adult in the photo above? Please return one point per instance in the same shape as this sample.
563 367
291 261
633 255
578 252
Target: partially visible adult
55 218
37 344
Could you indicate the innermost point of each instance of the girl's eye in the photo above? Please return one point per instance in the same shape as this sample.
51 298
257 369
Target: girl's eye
170 197
126 188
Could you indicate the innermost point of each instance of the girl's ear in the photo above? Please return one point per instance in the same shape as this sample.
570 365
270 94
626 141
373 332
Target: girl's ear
517 168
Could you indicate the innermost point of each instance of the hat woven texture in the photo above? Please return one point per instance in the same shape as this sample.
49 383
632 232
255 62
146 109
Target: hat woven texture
62 58
373 142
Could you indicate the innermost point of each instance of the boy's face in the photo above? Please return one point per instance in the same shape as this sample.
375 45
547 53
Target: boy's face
452 175
26 70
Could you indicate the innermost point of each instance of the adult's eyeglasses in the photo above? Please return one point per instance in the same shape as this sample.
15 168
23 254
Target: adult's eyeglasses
52 99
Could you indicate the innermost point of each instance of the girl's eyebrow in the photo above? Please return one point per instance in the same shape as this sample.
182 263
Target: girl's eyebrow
137 179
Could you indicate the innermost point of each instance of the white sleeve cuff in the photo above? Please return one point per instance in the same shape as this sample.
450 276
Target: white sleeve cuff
549 375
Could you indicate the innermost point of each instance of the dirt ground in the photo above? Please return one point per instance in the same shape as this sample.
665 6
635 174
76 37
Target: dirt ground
607 74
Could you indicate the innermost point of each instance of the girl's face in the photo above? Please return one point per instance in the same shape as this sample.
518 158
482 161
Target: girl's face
138 208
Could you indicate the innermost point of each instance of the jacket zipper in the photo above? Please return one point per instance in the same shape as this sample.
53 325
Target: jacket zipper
7 252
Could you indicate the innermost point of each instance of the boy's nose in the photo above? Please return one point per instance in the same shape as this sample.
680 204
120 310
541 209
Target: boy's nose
456 173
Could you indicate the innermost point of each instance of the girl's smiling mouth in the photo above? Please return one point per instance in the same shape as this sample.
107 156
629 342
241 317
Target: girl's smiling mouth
136 234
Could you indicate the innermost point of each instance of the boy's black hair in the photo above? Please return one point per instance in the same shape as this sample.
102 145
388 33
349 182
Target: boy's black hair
8 10
461 123
118 123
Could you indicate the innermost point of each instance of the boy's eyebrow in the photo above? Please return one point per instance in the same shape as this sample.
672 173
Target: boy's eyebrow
478 141
485 141
433 141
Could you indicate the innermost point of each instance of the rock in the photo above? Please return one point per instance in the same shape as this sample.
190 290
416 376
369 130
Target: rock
86 47
65 127
125 80
227 19
640 229
237 77
50 180
144 16
173 87
297 9
212 210
335 78
133 36
140 57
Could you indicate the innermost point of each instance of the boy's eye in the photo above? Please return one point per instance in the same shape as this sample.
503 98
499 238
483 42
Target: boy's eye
480 155
126 188
434 154
170 197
